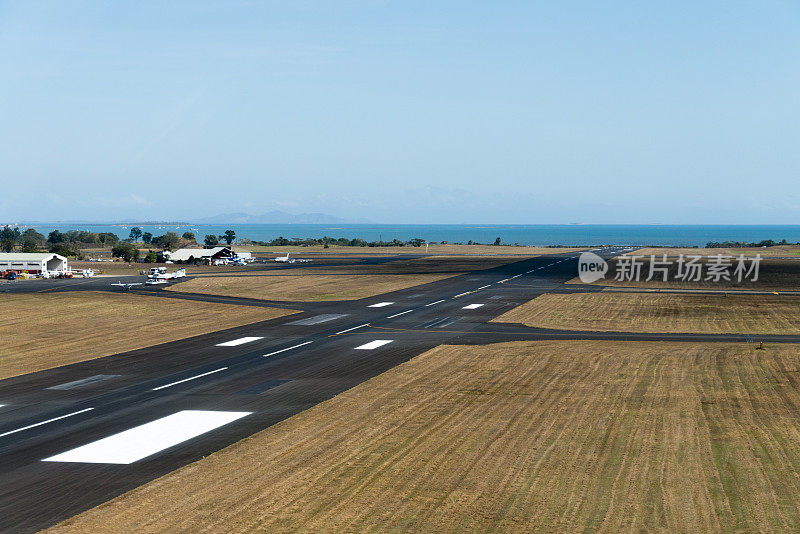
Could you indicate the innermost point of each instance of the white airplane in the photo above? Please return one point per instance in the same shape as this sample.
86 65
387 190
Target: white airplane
126 286
284 259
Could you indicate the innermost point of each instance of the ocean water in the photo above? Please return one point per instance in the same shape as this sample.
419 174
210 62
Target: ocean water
539 234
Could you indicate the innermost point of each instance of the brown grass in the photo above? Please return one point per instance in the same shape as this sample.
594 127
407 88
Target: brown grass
432 249
41 331
778 251
520 437
649 312
304 287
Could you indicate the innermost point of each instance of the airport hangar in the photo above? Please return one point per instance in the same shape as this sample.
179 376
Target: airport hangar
200 254
32 262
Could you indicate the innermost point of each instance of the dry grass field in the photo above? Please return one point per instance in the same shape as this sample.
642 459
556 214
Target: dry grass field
519 437
306 286
777 251
347 282
82 326
774 274
432 249
659 312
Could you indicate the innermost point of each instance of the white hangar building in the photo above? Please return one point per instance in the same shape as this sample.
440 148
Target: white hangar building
32 262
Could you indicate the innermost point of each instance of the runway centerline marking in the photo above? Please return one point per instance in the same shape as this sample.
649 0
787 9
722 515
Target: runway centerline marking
399 314
351 329
484 287
374 344
287 348
471 306
432 303
145 440
190 378
240 341
44 422
380 304
462 294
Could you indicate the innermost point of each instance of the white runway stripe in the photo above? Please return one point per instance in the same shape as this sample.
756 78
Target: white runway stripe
375 344
432 303
380 305
44 422
190 378
240 341
287 348
471 306
462 294
351 329
484 287
147 439
399 314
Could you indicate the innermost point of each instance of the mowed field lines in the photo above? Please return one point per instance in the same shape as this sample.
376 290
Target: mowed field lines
525 436
652 312
41 331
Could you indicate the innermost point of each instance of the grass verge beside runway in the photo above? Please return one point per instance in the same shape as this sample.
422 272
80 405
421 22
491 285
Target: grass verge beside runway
525 436
432 249
658 312
41 331
304 287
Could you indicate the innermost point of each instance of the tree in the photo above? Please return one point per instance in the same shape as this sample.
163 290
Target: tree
497 242
150 257
64 250
135 234
417 242
228 236
147 237
55 237
126 251
189 236
211 241
31 240
8 238
108 238
168 241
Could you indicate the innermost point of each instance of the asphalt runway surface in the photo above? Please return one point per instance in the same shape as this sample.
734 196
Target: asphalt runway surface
76 436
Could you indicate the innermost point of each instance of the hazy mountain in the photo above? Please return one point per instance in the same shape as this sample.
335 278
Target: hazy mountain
278 217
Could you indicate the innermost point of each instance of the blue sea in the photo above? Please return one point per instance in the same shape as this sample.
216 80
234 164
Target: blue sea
537 235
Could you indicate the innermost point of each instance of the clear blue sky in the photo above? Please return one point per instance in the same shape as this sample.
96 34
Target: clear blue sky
402 111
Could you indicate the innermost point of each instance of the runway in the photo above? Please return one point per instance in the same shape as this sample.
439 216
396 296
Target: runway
76 436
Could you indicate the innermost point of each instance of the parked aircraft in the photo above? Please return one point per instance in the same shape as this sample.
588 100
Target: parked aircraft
127 285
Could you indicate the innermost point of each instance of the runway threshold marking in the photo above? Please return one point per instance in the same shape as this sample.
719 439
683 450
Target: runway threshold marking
44 422
433 303
190 378
380 304
145 440
471 306
287 348
399 314
374 344
240 341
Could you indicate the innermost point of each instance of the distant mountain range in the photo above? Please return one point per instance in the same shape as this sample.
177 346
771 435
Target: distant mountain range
278 217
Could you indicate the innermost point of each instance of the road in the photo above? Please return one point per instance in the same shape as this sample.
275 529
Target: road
178 402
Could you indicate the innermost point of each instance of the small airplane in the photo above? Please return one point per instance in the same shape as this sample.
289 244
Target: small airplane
127 285
284 259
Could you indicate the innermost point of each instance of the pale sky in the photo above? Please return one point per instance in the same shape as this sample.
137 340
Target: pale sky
402 111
